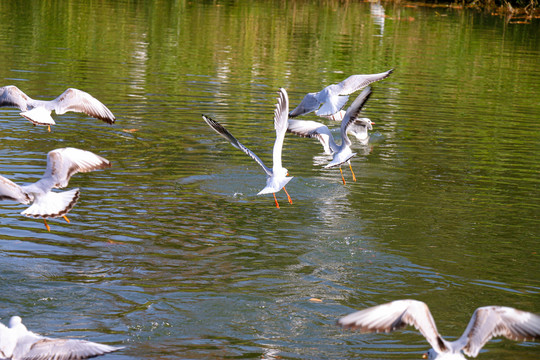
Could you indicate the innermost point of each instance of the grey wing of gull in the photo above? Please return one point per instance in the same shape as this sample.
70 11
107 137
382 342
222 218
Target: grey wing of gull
42 348
63 163
12 96
227 135
315 130
11 191
356 82
309 103
280 124
80 101
332 105
396 315
352 113
492 321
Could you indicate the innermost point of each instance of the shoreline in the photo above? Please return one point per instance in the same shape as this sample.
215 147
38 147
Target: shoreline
514 14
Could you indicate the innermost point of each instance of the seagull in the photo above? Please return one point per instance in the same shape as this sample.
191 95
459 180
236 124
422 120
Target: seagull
38 112
359 128
486 322
62 164
277 177
341 153
17 343
334 97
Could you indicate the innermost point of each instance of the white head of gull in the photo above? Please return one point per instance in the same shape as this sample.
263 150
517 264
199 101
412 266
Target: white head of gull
340 153
18 343
486 322
38 112
333 98
277 177
62 164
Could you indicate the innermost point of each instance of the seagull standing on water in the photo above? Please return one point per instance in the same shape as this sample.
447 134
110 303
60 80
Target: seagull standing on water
17 343
486 322
341 153
61 165
277 177
334 97
38 112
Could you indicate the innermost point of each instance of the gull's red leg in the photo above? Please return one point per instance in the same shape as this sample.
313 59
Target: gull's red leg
353 177
277 205
342 178
65 217
288 196
47 225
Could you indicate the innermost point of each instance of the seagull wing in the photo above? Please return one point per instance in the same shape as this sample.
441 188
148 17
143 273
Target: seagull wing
396 315
491 321
227 135
332 105
356 82
12 96
315 130
352 113
11 191
280 124
40 348
8 341
63 163
309 103
80 101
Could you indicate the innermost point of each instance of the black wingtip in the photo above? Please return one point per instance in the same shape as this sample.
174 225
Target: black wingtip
220 129
211 121
208 119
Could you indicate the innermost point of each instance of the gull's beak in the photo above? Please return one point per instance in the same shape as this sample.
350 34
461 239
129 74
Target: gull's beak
424 356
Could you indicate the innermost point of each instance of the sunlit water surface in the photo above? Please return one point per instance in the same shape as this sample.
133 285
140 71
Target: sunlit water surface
171 254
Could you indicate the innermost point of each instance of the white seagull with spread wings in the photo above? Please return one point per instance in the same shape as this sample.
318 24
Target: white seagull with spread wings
334 97
61 165
277 177
486 322
341 153
38 112
18 343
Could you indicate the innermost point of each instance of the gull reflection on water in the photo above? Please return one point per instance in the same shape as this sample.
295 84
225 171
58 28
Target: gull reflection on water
377 14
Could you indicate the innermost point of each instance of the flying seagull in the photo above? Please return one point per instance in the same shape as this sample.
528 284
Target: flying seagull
62 164
486 322
38 112
341 153
334 97
277 177
17 343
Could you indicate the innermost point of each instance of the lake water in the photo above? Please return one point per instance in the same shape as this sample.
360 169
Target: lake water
171 253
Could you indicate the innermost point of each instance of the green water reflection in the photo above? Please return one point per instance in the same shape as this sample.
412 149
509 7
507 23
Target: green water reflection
173 255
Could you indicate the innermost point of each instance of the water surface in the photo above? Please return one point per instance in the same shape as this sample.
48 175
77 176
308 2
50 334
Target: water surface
171 253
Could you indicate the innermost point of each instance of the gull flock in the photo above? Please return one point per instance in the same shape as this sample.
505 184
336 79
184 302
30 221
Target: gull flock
18 343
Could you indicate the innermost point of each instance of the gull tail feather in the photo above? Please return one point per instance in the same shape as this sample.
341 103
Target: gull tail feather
275 185
38 116
53 204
